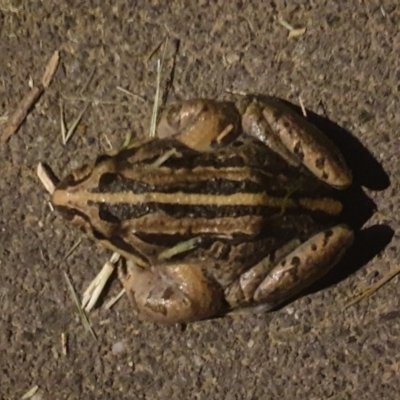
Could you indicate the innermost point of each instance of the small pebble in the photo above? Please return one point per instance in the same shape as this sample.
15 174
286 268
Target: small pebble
118 347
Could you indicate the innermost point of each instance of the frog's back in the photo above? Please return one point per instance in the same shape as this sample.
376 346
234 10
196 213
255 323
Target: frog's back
149 198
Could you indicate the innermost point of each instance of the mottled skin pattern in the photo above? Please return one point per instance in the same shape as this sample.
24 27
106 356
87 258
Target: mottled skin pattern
238 196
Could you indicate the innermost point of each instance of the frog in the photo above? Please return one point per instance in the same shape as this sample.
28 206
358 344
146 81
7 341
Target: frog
231 206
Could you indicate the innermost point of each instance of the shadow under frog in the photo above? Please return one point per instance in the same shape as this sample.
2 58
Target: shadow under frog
358 207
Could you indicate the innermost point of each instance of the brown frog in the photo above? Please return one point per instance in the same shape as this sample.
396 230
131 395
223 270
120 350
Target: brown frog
231 205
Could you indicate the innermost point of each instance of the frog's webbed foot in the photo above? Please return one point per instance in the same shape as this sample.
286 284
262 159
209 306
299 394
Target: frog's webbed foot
171 293
295 139
272 283
200 123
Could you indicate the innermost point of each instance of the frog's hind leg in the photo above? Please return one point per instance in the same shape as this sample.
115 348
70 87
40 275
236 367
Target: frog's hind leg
200 123
274 284
295 139
171 293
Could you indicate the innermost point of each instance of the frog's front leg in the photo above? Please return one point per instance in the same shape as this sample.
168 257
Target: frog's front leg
295 139
172 293
273 282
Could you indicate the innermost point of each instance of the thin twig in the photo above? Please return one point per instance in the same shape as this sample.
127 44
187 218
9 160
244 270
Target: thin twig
82 314
112 301
19 115
62 122
72 249
50 70
75 124
153 51
373 288
170 80
22 110
87 83
96 101
134 95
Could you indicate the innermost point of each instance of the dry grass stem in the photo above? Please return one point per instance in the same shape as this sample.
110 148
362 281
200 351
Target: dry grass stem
170 79
72 249
128 93
127 140
62 122
108 145
153 51
112 301
293 32
64 344
153 123
30 393
161 160
367 292
87 83
95 101
45 178
51 68
303 109
180 248
236 92
93 292
82 314
75 124
285 24
297 32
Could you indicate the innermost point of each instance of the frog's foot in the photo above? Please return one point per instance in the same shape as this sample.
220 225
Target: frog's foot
274 283
295 139
200 123
171 293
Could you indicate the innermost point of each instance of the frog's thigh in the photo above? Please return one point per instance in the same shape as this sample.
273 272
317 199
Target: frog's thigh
303 266
169 294
296 140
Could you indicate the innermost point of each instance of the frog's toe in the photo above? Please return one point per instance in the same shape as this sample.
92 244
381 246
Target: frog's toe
303 266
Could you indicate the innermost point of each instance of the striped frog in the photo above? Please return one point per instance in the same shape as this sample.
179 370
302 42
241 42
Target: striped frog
231 205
